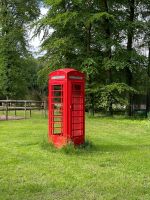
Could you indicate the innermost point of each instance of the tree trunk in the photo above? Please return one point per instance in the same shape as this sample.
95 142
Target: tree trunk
148 88
92 107
108 52
88 42
129 77
88 51
5 31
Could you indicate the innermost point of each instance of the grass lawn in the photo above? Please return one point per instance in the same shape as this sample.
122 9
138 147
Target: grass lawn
114 165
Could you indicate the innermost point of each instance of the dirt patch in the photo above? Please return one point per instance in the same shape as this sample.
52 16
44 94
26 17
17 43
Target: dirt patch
3 117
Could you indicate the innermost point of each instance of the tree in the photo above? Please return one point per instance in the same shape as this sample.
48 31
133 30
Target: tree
145 32
15 17
130 30
97 37
75 38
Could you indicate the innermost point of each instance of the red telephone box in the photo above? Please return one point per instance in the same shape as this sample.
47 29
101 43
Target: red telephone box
66 107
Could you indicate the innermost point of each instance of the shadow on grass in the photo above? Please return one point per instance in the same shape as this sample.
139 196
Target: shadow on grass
89 148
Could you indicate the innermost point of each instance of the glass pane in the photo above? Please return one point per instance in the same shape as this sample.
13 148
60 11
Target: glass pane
57 131
57 99
58 94
76 90
57 87
78 120
78 110
58 109
77 132
57 119
77 87
57 125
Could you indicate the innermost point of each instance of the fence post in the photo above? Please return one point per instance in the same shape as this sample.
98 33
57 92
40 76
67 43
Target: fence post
15 109
25 109
6 110
42 107
30 109
45 108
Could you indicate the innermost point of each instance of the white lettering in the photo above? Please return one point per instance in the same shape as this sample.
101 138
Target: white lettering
57 77
76 77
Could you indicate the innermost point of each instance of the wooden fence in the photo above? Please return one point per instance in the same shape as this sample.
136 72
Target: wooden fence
25 105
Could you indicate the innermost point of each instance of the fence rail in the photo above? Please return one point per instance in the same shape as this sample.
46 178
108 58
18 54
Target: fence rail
25 105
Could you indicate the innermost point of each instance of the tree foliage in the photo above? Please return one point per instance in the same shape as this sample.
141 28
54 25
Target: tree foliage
15 18
104 39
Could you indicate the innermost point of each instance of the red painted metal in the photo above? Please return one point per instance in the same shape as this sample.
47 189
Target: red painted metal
66 107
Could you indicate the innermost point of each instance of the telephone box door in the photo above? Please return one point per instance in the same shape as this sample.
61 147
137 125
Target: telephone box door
56 109
77 109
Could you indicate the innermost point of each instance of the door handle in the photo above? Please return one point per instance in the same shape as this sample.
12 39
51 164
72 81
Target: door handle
71 106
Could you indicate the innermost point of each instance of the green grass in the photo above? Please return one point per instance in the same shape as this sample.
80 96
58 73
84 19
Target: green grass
115 163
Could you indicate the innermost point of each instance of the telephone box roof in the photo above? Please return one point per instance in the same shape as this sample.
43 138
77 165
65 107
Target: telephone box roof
65 71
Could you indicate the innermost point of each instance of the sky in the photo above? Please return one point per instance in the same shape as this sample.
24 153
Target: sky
35 42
